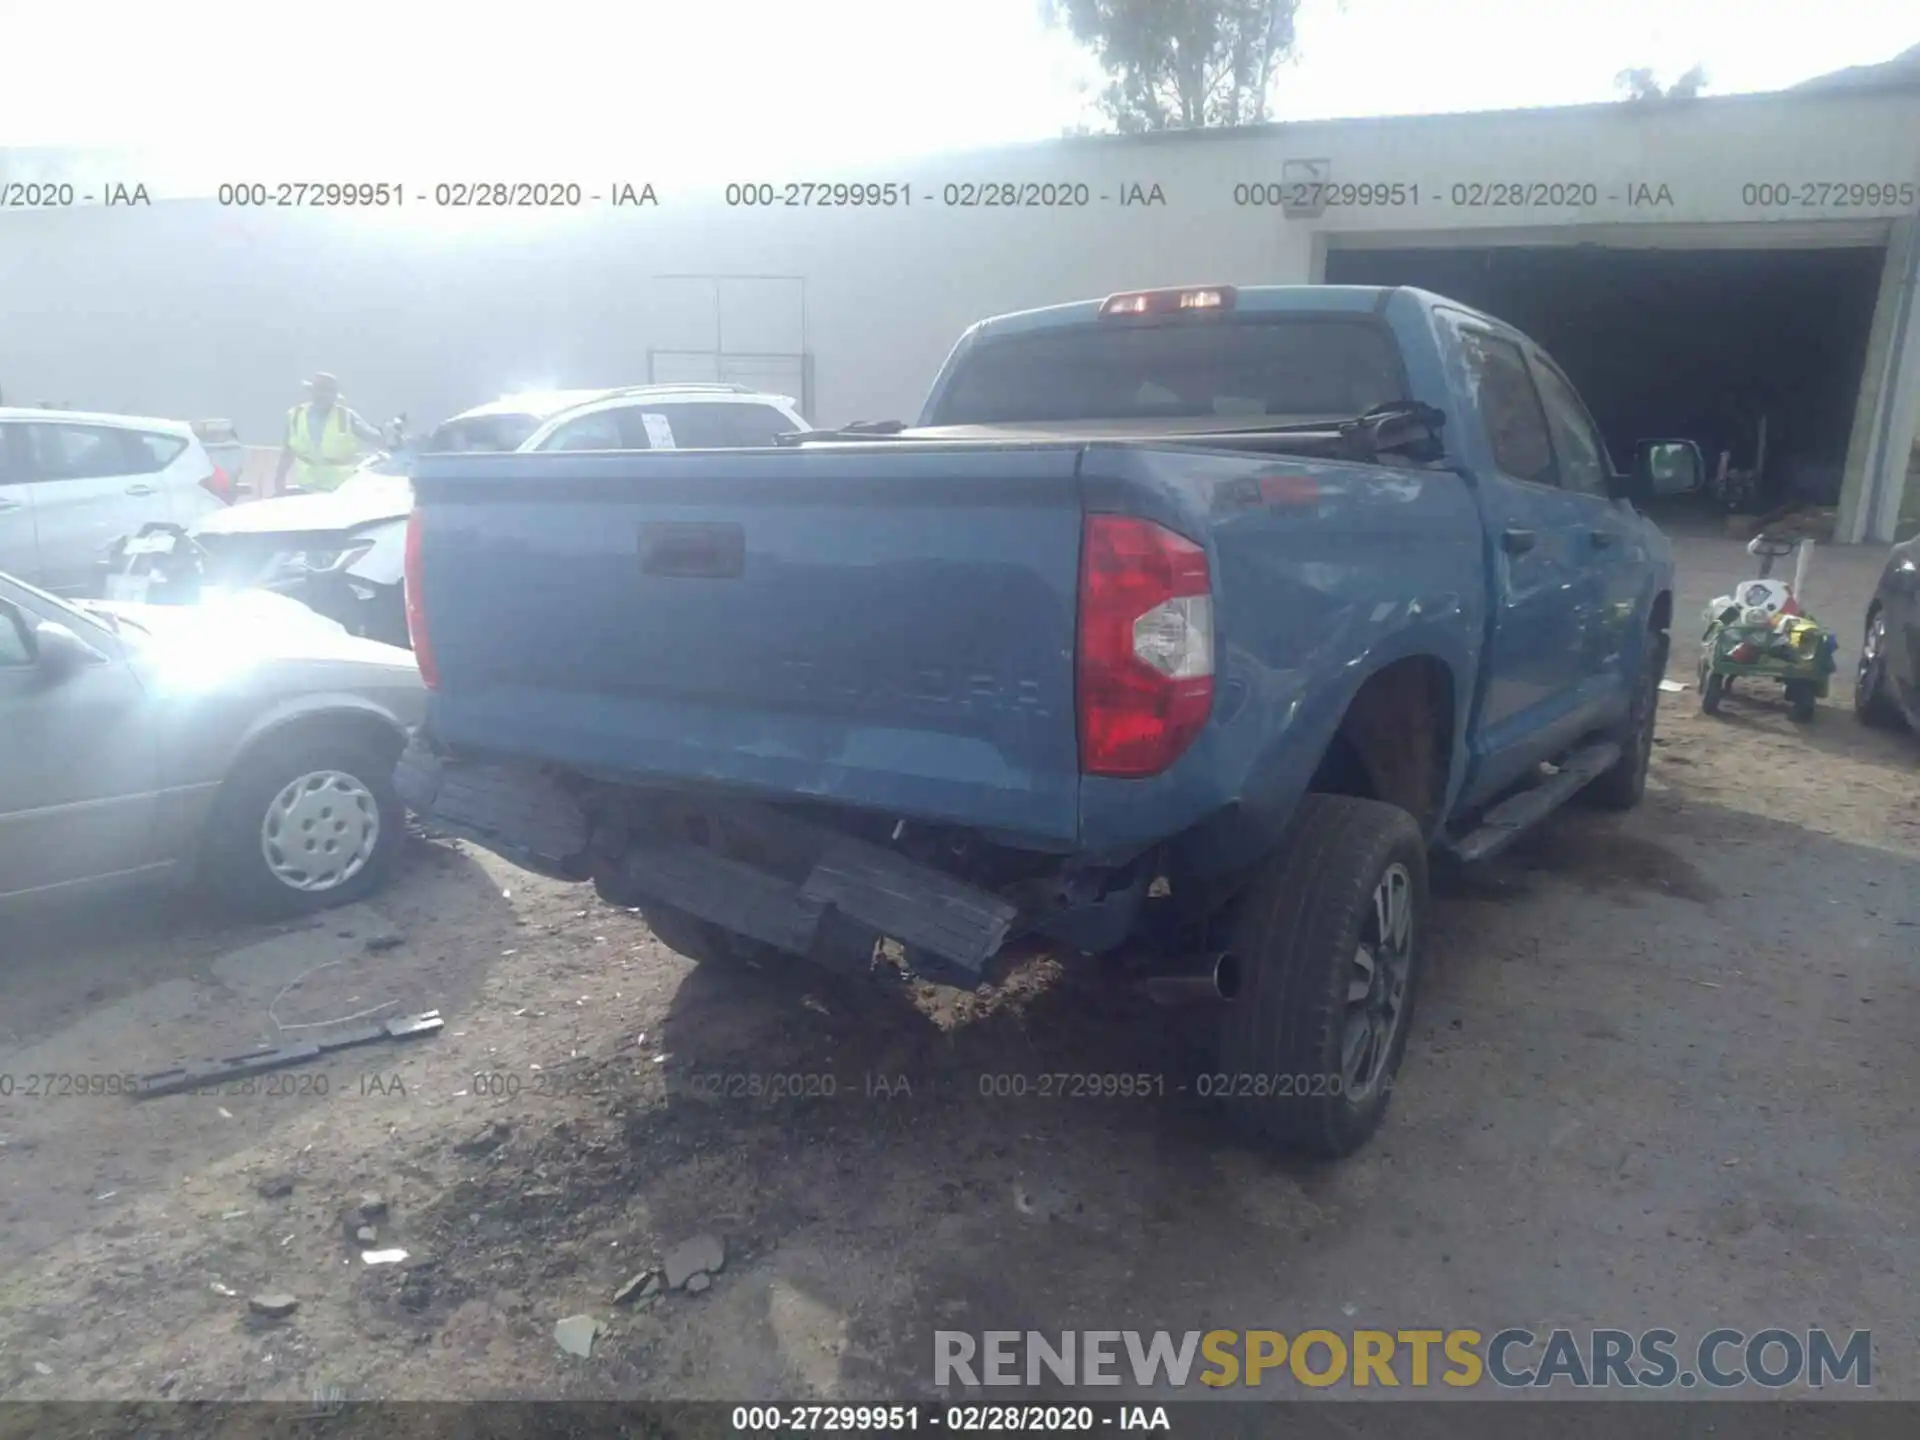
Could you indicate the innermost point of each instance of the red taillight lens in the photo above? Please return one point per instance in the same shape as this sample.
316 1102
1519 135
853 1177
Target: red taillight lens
1146 646
219 485
416 605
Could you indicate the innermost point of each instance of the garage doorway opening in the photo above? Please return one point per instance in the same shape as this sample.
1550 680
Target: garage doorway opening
1691 344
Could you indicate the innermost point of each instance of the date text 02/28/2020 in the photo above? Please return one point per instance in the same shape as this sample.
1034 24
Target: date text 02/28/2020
948 1419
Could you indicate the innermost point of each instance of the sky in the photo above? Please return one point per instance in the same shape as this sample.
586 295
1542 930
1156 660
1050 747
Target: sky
715 90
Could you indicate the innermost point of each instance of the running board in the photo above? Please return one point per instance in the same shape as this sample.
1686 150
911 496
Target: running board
1517 814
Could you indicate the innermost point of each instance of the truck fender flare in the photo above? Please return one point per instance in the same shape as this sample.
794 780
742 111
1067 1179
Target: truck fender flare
1431 640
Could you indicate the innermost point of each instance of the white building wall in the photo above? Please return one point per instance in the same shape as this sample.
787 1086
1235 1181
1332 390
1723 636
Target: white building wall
188 308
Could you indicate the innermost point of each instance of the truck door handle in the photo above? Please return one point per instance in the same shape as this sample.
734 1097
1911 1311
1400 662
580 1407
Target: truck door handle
692 551
1517 542
6 504
140 488
1601 538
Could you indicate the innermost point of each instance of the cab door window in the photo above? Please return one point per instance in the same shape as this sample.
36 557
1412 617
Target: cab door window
1583 464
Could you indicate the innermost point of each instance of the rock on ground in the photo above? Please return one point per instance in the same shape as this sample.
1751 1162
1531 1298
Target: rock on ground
692 1257
576 1334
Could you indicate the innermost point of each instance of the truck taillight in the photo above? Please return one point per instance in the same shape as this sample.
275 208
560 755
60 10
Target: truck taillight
416 605
219 485
1146 646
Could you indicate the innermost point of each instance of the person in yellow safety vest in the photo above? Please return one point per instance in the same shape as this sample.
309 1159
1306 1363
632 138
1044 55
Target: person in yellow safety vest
324 440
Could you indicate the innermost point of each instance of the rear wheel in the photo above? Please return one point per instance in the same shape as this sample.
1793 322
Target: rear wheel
1326 942
1873 700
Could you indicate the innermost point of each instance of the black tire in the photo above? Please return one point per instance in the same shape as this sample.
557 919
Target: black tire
1712 687
1873 704
236 864
1296 940
1803 700
1621 786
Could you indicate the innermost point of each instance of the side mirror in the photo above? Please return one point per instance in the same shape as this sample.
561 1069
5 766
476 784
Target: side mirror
59 652
1668 467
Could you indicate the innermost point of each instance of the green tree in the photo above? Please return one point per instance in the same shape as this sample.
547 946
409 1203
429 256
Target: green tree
1640 83
1181 64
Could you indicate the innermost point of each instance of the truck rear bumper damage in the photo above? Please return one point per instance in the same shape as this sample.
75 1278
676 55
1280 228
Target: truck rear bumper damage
848 894
519 814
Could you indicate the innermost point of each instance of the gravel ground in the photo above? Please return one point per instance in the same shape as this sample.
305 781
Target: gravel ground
1662 1075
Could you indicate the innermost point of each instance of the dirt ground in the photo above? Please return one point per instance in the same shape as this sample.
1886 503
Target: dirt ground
1662 1074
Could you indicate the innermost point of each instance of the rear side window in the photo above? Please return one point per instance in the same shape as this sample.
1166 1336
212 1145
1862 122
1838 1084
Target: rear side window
487 434
80 452
599 431
1288 368
154 451
1509 407
722 425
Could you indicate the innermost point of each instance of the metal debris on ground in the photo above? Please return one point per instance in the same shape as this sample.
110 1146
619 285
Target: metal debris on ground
210 1072
275 1305
382 1257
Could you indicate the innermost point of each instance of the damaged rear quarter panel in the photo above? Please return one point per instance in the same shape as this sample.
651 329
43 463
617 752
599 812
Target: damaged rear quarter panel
1324 573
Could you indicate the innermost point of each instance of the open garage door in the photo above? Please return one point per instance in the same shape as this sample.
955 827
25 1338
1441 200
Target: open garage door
1758 353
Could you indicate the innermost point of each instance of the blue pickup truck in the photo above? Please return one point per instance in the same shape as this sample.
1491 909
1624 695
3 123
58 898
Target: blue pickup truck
1178 632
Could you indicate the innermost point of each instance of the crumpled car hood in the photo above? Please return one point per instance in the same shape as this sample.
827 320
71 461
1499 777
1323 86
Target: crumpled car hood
363 500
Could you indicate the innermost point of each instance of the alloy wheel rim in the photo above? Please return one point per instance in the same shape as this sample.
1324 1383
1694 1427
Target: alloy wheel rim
320 831
1377 984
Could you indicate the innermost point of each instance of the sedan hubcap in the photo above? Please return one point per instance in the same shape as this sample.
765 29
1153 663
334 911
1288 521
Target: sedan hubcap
320 831
1377 984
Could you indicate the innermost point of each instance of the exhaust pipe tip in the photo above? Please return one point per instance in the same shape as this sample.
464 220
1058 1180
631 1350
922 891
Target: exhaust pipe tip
1226 977
1209 979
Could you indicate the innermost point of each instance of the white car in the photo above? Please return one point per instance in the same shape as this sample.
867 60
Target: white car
71 484
343 553
671 417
